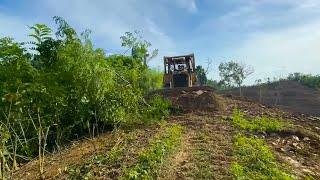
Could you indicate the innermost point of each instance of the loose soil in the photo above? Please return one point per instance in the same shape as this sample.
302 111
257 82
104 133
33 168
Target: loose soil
287 95
206 146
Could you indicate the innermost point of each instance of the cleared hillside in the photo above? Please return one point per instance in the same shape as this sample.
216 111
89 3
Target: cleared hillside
287 95
206 143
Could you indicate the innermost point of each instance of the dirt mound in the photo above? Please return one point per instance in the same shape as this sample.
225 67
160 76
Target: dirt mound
193 99
287 95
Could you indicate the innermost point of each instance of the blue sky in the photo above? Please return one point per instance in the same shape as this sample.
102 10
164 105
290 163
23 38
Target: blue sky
276 37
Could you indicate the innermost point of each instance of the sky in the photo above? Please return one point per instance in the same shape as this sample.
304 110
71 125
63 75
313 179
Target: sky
275 37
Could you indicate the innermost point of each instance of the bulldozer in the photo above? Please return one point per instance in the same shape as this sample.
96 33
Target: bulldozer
179 71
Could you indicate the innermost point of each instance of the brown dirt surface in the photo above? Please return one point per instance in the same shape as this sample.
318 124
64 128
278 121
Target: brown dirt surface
298 146
287 95
206 149
83 151
193 98
206 146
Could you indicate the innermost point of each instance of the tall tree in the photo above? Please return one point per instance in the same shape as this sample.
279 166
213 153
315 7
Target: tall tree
139 47
201 75
44 45
234 73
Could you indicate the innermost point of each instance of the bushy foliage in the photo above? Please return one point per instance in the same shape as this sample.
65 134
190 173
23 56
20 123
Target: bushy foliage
158 109
258 124
312 81
234 73
201 75
254 160
219 85
66 85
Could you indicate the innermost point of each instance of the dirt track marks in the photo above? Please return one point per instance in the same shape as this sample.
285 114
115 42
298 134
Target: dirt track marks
206 149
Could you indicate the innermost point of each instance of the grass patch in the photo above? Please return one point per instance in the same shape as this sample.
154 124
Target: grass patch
86 171
254 160
258 124
106 163
150 159
203 157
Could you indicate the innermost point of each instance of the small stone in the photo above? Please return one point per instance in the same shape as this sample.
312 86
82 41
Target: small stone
199 92
292 161
307 170
306 139
296 138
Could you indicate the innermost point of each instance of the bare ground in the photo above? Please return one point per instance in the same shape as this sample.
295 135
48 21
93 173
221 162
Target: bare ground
206 147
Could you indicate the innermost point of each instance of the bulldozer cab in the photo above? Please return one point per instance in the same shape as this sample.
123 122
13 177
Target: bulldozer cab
179 71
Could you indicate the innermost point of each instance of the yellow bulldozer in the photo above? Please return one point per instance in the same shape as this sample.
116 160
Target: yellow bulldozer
179 71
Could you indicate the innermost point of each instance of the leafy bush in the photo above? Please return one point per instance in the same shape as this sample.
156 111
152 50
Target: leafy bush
254 160
312 81
152 80
152 157
258 124
158 109
66 85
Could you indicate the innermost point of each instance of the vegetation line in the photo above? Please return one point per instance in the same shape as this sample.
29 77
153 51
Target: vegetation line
70 89
150 159
258 124
254 160
203 156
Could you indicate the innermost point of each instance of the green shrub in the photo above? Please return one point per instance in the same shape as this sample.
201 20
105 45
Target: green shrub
71 87
158 109
254 160
152 80
151 158
312 81
258 124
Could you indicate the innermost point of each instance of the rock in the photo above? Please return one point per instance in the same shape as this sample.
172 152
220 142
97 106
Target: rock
306 139
307 170
296 138
199 92
317 128
295 144
292 162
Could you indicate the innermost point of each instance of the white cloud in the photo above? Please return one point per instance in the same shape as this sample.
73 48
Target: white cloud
274 36
281 52
109 20
190 5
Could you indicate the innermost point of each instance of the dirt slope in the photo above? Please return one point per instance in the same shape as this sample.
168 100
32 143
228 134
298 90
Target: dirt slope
206 145
287 95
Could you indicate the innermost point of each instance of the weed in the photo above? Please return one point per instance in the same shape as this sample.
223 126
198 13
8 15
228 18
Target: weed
158 109
258 124
254 160
85 171
151 158
203 156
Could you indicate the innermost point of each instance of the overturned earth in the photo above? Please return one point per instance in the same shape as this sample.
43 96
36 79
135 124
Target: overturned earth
190 99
